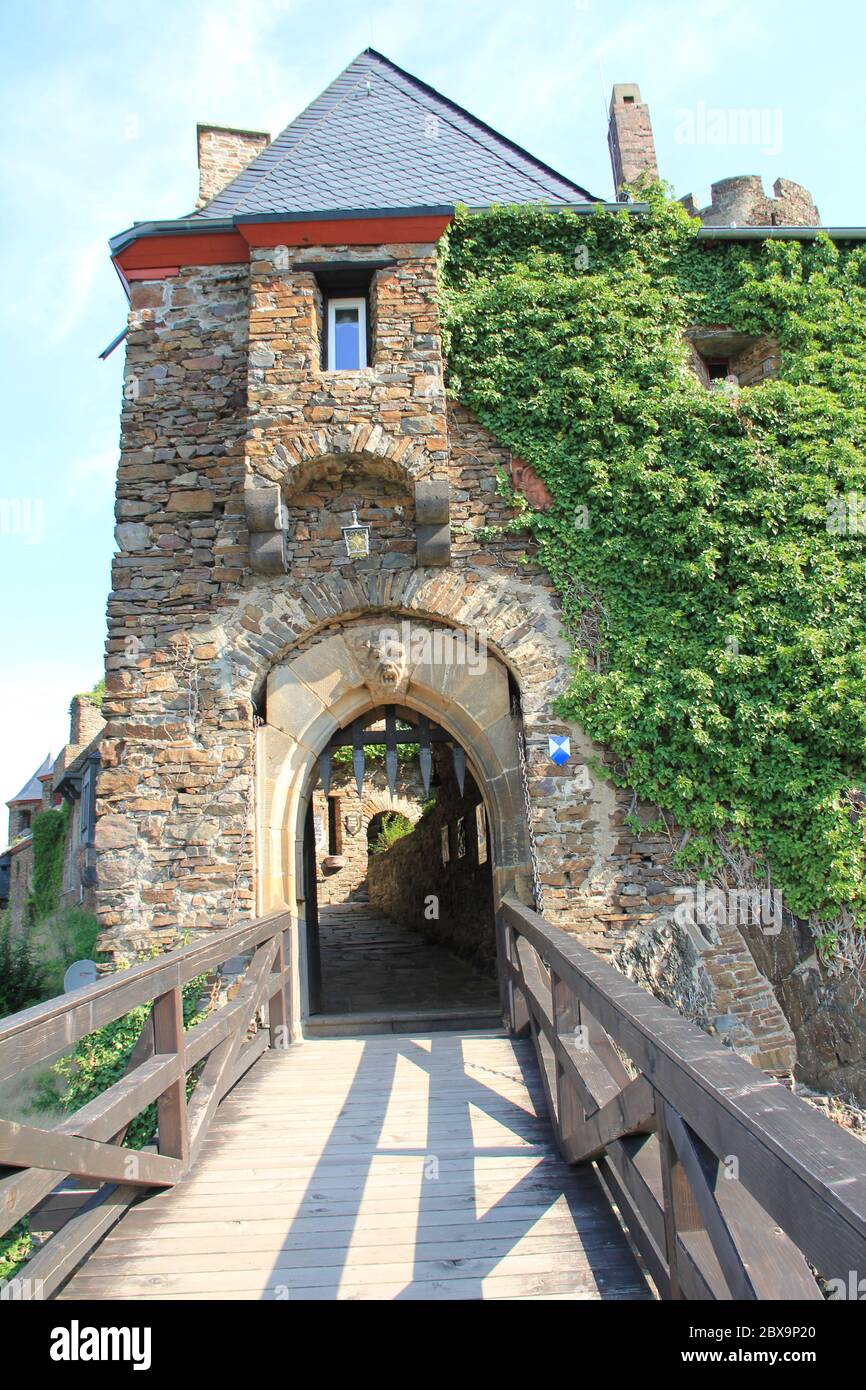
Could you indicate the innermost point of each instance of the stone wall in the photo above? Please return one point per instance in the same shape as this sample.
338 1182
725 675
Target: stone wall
339 883
20 882
824 1008
450 902
172 833
224 382
757 363
742 202
85 722
714 983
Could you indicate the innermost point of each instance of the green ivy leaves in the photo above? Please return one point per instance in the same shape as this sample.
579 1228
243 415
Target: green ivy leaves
732 684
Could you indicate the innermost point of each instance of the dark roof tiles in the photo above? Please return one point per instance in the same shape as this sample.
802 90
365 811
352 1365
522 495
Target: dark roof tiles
379 138
32 789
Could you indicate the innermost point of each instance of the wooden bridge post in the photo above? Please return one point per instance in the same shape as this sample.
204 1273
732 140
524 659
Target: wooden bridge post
279 1003
565 1011
517 1007
171 1105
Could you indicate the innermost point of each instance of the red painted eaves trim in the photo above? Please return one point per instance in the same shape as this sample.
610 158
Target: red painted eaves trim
347 231
157 258
165 253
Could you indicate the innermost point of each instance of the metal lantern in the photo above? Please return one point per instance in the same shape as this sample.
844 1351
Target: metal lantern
357 539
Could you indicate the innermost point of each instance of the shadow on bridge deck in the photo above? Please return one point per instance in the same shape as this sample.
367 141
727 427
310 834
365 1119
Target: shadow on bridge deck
376 1168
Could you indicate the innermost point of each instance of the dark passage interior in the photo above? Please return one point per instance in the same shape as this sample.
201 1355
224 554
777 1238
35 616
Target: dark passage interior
400 844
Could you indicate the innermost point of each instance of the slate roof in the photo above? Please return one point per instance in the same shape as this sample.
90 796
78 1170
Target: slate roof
32 789
379 138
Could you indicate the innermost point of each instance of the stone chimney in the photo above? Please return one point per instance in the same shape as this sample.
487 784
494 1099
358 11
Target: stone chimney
223 153
630 138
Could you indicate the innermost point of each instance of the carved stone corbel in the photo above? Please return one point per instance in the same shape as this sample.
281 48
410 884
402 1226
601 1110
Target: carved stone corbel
266 523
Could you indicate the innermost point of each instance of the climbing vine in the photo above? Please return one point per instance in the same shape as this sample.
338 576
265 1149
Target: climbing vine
690 535
49 836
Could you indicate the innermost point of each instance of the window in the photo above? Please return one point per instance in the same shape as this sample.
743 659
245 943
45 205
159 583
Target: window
718 369
87 805
347 334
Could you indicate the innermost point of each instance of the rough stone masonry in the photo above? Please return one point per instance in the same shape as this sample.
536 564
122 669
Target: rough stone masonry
243 457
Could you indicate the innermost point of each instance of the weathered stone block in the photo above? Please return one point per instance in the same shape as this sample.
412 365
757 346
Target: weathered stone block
193 500
434 545
132 536
432 504
264 509
268 553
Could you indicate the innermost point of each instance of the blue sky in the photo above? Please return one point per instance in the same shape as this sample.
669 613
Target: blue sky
101 104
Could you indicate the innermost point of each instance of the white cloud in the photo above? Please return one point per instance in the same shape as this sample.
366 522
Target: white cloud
79 278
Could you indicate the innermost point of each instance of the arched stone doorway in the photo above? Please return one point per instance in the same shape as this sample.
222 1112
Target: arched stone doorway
341 674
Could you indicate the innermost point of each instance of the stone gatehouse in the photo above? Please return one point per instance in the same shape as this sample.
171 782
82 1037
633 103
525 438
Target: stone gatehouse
299 509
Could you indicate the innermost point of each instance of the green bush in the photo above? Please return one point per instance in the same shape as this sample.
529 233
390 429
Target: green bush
22 976
393 828
688 537
16 1248
62 938
100 1059
96 695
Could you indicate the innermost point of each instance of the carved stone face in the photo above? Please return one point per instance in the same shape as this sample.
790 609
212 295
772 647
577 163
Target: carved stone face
382 659
389 656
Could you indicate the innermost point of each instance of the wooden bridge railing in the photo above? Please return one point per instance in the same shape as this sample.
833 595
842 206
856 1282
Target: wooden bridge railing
88 1145
728 1184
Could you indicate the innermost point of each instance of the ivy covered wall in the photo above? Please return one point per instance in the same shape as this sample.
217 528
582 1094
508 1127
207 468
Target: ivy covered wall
708 550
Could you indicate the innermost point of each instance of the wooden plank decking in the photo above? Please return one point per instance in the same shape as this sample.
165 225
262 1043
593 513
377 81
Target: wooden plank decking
382 1167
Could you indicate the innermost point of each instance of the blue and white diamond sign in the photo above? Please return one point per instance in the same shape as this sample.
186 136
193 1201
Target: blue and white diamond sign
560 748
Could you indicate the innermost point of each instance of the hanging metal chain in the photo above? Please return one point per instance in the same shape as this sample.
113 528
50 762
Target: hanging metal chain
527 805
187 670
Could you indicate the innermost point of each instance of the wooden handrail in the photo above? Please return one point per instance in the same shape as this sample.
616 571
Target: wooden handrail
45 1029
88 1144
727 1182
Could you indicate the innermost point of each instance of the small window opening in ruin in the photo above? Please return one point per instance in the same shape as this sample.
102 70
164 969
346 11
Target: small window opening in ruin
628 101
726 360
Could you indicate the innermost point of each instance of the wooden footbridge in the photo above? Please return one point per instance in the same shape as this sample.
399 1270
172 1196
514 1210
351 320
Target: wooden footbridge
600 1147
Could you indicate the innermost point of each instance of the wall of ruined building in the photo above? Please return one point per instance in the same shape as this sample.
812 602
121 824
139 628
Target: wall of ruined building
449 901
339 883
20 883
757 363
741 201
